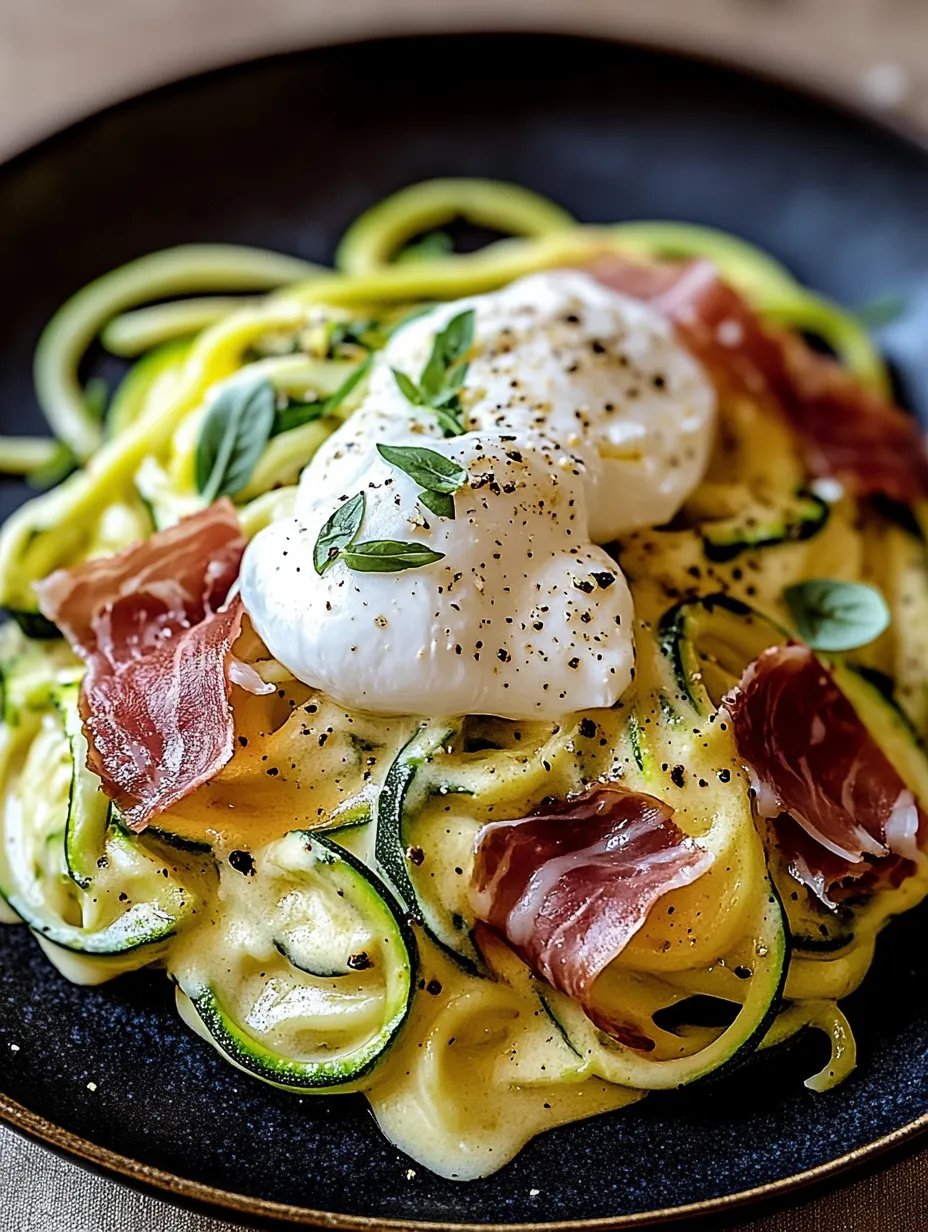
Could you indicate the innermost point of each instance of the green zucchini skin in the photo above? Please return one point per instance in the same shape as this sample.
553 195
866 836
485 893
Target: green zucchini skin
308 1076
743 634
677 634
806 943
725 540
142 925
286 951
35 625
389 848
615 1063
189 845
399 797
83 883
31 675
89 810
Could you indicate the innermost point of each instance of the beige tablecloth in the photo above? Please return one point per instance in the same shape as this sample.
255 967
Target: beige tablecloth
62 58
42 1193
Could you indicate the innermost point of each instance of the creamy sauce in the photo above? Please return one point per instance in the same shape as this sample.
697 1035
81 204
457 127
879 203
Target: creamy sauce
584 420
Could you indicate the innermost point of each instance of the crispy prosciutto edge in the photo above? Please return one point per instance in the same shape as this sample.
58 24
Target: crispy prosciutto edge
151 627
570 885
845 431
845 822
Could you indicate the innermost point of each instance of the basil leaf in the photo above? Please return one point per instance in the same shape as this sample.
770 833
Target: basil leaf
435 244
449 347
454 383
450 419
96 397
882 310
409 389
59 466
300 413
388 556
296 415
431 470
432 378
440 503
836 616
338 533
458 336
232 439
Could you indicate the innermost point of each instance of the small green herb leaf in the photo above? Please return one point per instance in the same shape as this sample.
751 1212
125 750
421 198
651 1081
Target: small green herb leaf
434 244
96 397
450 419
450 346
338 533
440 503
59 466
234 434
458 336
388 556
837 616
409 389
453 384
300 413
430 470
361 333
296 415
882 310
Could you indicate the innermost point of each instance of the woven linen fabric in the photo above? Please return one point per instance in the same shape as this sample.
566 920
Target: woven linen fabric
41 1193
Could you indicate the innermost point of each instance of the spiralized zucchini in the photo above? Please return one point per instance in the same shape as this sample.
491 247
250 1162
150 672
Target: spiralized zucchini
305 971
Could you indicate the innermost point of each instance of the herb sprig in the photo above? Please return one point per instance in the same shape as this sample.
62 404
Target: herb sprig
336 541
438 476
443 376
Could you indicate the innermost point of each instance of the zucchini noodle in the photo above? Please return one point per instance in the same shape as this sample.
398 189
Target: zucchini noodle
308 974
133 333
380 232
23 455
176 271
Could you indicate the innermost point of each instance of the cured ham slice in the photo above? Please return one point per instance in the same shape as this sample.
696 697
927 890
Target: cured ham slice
846 431
150 625
843 814
569 886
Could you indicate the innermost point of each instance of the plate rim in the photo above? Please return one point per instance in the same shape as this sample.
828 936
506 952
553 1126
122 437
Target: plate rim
224 1202
180 1189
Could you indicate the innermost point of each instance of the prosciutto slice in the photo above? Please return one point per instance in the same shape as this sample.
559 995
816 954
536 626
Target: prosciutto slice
845 431
569 886
150 625
843 815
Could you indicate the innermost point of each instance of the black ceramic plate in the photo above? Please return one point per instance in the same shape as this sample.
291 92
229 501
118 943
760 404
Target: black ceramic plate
285 153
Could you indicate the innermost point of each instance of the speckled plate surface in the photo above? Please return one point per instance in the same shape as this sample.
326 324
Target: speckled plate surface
284 153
